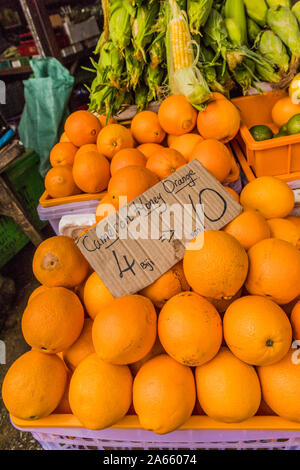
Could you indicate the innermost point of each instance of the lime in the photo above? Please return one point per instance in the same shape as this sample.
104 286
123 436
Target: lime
293 125
261 133
280 134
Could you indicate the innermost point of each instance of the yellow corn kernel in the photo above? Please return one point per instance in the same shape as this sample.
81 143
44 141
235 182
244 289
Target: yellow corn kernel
180 42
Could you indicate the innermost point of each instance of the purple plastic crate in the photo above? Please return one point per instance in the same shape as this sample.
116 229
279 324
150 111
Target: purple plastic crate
55 213
112 438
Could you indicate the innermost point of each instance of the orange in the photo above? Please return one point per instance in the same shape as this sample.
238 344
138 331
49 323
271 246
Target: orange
58 262
148 149
233 193
125 331
53 320
100 393
215 265
105 208
296 221
171 138
274 270
176 115
269 195
220 120
34 385
114 138
283 110
63 153
280 385
248 228
284 230
64 138
295 321
185 144
222 304
146 129
64 404
164 162
127 157
82 347
169 284
59 182
82 127
156 350
216 96
36 292
104 121
87 148
91 172
190 329
257 330
228 389
215 157
163 394
96 296
130 182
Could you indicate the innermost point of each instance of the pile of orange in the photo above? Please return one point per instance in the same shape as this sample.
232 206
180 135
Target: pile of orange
212 331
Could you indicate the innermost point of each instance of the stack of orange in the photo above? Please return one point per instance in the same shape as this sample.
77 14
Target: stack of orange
222 310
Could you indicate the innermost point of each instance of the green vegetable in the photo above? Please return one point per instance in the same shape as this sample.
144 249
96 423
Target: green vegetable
257 11
267 72
274 3
284 23
119 24
142 28
244 74
272 48
157 51
253 30
154 79
198 12
296 11
235 20
293 125
141 97
260 133
134 68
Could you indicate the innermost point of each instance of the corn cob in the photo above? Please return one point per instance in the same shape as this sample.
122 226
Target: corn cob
267 73
253 30
198 12
296 11
257 11
182 52
235 21
273 49
134 68
142 29
154 79
157 51
141 97
284 23
119 24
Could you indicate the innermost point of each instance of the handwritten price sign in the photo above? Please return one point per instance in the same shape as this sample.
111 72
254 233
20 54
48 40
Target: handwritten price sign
135 246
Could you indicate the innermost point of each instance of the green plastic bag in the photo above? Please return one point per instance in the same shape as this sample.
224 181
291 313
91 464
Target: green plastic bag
47 93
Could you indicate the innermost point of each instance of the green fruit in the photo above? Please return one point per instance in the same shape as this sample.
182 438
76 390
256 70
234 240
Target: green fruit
293 125
280 134
261 133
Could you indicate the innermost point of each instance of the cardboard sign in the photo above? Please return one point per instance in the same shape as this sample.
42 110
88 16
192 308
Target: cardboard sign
133 247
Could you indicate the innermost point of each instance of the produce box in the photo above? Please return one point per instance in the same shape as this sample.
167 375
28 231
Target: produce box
274 157
46 201
24 177
59 432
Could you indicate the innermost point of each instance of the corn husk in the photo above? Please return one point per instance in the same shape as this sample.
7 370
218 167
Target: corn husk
198 12
257 11
244 75
267 73
134 68
296 11
142 29
273 49
110 64
157 51
120 24
274 3
284 23
209 71
253 30
141 97
154 80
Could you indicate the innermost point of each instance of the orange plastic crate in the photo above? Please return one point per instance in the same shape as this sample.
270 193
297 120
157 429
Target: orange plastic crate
273 157
48 201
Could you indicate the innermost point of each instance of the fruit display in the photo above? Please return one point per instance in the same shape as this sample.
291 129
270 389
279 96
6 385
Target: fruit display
192 48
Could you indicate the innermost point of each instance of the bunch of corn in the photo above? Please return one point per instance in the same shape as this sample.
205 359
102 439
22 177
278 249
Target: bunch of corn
185 78
198 12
